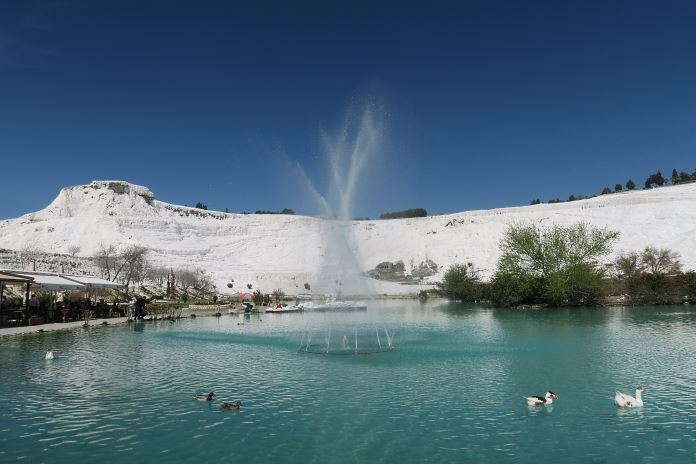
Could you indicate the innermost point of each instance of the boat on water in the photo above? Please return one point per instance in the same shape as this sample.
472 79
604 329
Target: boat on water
283 308
333 305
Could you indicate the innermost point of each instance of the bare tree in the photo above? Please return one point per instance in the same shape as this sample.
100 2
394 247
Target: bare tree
132 263
157 275
28 254
197 279
662 261
127 266
73 250
106 258
278 294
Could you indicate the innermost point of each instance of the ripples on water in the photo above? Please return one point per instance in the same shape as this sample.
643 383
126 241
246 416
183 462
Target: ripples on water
451 392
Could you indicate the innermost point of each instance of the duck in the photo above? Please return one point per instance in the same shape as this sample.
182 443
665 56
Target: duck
232 406
623 400
49 354
202 397
539 400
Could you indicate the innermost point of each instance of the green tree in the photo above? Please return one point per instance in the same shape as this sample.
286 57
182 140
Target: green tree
461 283
654 179
630 185
618 188
557 265
606 190
675 177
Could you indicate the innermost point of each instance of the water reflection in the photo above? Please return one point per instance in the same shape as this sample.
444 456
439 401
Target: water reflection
450 392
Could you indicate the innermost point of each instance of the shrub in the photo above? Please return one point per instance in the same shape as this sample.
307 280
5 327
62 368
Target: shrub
461 282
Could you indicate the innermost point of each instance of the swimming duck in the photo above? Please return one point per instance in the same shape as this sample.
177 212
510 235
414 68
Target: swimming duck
539 400
623 400
232 406
49 354
201 397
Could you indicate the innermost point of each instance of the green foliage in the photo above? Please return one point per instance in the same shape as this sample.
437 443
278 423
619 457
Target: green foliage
586 285
654 179
630 185
461 283
618 188
536 201
652 289
606 190
507 290
409 213
527 249
558 265
200 205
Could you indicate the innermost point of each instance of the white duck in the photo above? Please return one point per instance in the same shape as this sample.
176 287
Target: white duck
623 400
49 355
539 400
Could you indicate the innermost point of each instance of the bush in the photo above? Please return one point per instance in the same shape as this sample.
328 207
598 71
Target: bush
652 276
461 283
687 286
507 290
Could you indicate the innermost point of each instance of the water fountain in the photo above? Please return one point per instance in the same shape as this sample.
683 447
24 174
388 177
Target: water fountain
348 155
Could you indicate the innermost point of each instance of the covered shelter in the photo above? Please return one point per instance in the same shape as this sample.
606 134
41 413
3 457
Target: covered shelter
94 283
11 278
56 283
52 283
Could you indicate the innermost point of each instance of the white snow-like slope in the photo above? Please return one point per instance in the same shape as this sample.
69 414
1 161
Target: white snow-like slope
279 251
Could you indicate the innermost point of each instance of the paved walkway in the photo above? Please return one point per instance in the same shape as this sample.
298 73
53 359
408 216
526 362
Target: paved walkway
58 326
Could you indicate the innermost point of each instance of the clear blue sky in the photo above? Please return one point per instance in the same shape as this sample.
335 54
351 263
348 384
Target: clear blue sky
488 103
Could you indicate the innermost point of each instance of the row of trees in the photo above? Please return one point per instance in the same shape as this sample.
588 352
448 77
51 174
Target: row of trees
565 266
408 213
653 180
130 266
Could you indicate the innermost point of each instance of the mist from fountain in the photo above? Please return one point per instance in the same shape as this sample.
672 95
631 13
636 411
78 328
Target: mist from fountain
349 154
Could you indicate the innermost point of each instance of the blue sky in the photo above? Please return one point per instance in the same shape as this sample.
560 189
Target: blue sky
485 104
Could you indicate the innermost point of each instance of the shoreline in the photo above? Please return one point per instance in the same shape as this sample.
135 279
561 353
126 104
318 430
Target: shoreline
55 326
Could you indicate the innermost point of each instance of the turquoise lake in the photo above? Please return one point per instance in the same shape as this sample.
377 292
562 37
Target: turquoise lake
451 391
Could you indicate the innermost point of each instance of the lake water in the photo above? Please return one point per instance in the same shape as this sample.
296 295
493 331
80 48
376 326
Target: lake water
451 391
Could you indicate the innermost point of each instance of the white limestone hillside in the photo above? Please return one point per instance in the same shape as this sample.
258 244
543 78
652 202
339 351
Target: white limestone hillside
279 251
